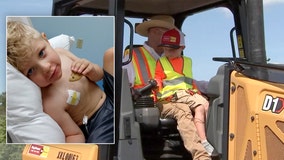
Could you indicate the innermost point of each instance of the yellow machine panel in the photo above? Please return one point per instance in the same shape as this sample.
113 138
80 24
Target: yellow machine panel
60 152
256 129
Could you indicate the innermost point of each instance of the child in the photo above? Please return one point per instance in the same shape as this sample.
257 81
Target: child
69 92
178 96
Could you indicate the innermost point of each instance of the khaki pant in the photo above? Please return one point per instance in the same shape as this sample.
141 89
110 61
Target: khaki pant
185 125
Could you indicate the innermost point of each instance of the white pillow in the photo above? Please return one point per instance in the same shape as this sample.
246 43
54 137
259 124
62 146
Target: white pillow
62 41
26 121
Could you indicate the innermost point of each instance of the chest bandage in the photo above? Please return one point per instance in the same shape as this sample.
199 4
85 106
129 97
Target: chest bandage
73 97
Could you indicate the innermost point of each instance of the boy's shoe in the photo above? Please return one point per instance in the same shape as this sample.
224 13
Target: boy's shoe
215 155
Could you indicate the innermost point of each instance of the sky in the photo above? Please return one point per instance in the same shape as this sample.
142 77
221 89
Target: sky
213 42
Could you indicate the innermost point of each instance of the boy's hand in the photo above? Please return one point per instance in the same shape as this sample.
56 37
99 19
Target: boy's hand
87 68
81 66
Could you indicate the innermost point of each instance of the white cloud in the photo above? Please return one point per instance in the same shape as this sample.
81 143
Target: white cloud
228 13
272 2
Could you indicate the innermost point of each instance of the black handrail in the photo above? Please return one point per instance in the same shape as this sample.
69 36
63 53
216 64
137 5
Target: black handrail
130 42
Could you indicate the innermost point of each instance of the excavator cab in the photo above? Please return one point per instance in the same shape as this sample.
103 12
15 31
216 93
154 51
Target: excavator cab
246 94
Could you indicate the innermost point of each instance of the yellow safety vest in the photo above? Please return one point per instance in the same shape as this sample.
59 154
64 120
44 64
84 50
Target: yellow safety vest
175 81
144 66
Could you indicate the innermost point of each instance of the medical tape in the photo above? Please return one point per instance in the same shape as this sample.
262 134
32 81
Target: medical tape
73 97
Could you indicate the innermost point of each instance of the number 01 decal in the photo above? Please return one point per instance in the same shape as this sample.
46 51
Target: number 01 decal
275 105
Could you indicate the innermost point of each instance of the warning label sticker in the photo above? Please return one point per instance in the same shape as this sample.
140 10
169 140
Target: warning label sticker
39 150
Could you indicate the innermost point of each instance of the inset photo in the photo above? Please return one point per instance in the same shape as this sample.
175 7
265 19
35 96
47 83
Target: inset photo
60 79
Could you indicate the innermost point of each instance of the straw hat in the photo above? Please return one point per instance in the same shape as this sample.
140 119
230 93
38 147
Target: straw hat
163 21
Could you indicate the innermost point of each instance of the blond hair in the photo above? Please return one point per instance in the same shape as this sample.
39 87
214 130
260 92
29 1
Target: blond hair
19 43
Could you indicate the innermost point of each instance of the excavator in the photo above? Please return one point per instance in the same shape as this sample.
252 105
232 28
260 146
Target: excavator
245 117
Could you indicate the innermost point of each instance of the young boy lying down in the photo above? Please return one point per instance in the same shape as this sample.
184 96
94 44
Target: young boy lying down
69 92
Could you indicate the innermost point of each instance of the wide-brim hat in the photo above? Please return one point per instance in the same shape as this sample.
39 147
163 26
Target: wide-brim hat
162 21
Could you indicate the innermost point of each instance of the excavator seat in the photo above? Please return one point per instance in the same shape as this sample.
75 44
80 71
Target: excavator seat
160 137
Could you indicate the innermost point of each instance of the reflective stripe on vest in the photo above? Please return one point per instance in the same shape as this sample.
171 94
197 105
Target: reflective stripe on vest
144 66
175 81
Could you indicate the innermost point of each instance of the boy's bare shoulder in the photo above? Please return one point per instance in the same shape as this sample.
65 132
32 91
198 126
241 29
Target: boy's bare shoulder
62 51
